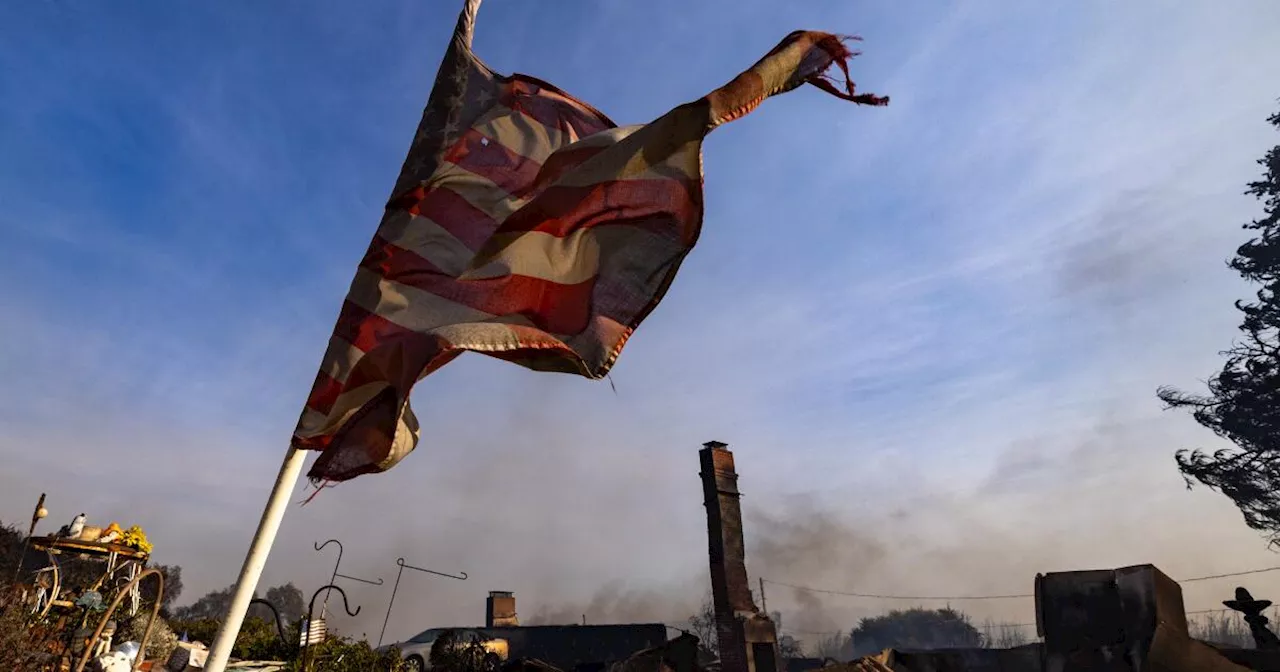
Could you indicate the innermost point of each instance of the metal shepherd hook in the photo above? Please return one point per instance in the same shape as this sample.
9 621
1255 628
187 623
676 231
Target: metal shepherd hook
333 578
141 656
319 547
462 576
276 613
311 608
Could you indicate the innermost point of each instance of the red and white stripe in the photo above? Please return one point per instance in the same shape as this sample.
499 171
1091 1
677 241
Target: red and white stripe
543 234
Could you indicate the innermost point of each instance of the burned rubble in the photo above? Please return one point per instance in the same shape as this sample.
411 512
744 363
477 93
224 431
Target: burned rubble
1130 618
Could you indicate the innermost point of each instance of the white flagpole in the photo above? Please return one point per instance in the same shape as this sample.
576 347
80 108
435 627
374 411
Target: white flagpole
256 559
292 467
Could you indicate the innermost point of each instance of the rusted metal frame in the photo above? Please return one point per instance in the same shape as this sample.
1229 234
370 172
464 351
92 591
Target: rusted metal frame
56 588
146 634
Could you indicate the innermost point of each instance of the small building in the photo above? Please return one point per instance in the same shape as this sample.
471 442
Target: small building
1131 619
580 648
569 648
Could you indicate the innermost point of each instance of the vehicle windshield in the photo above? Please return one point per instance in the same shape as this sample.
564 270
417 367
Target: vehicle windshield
464 635
426 636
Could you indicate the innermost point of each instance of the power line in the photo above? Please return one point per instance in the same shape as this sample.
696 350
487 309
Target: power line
896 597
984 626
986 597
1223 576
812 632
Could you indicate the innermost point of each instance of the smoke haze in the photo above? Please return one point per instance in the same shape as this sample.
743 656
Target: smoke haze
930 333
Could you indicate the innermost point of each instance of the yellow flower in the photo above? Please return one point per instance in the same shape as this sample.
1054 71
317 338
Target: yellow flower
134 537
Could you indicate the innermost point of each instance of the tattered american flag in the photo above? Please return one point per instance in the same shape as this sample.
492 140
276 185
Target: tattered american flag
527 226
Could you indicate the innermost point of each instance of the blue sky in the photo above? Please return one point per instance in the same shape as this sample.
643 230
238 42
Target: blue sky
931 332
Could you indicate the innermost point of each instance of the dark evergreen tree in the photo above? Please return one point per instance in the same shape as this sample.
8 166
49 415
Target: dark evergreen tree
916 628
213 605
289 601
11 539
172 587
1242 404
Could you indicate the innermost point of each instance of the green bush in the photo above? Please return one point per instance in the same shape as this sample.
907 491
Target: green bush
452 653
337 654
24 644
196 629
131 628
258 639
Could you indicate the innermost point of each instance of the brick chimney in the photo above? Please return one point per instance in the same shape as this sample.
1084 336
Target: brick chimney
500 610
747 638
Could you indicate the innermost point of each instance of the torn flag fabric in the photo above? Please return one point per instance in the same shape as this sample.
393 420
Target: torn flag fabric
527 226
